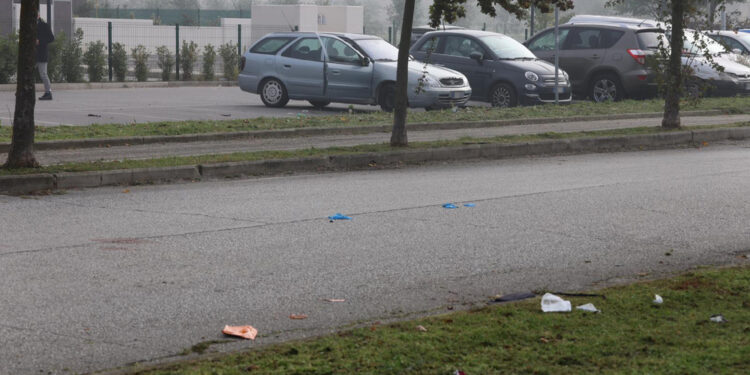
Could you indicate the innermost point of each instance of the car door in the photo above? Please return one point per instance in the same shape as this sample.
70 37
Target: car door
425 50
543 45
582 52
301 68
454 52
348 73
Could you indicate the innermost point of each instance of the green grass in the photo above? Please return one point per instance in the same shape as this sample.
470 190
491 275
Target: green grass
302 120
172 161
630 336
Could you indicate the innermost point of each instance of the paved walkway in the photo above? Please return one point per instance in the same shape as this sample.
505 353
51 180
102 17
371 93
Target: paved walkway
248 145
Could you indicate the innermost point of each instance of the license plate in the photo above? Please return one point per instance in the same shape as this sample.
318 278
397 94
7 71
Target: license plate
457 94
560 89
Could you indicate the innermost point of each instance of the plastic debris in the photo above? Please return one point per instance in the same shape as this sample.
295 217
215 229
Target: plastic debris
246 332
421 329
718 318
94 115
588 307
553 303
470 205
459 372
339 216
334 300
514 297
297 316
450 205
658 300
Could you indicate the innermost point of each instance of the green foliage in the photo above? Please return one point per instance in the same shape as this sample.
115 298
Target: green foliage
140 55
209 59
188 56
8 57
96 60
119 62
71 54
165 62
451 10
54 63
231 60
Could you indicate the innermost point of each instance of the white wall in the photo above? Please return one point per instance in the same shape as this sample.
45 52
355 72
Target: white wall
348 19
306 17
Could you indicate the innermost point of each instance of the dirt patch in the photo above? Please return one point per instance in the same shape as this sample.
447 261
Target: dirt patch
692 283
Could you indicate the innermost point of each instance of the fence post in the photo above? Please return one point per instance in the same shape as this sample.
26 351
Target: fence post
109 44
390 34
239 40
177 50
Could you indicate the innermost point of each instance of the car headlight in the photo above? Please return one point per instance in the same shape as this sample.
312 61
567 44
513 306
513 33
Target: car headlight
428 81
531 76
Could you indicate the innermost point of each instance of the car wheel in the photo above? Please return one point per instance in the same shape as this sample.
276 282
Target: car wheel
503 96
387 98
319 103
273 93
695 89
605 88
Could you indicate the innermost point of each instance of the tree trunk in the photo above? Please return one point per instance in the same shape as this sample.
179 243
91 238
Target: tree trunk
398 137
671 118
21 154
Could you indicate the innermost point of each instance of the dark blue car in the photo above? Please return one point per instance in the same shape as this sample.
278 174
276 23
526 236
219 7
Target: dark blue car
500 70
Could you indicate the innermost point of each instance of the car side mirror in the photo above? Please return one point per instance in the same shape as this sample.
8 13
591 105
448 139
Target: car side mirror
476 56
365 61
737 51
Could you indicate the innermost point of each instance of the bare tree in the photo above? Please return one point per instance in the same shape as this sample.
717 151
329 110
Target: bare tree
21 153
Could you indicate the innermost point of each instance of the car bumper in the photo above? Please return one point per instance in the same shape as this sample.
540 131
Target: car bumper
248 83
546 94
640 84
439 97
730 87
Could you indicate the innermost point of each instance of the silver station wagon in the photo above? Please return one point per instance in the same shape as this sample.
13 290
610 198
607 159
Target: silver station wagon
347 68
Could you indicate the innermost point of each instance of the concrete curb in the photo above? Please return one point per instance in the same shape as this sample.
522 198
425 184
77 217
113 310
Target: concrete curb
123 85
309 132
21 184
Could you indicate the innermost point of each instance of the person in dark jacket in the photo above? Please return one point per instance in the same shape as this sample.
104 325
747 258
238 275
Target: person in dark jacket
44 38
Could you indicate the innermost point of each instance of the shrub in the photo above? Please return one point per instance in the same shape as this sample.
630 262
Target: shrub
70 56
188 56
54 64
230 58
96 61
140 55
209 59
119 62
8 57
166 62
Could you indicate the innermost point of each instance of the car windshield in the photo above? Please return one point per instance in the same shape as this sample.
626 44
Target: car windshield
507 48
378 49
694 44
745 37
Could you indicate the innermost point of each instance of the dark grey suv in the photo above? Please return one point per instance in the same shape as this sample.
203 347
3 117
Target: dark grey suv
500 70
605 60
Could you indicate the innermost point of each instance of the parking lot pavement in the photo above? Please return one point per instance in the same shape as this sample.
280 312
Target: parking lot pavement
128 105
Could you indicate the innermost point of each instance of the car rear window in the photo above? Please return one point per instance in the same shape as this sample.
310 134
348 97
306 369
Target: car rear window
270 46
650 39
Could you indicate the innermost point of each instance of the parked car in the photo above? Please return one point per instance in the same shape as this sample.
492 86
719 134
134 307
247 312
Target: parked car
734 41
732 79
418 31
500 70
606 60
348 68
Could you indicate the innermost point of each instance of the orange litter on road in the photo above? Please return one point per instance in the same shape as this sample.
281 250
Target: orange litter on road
246 332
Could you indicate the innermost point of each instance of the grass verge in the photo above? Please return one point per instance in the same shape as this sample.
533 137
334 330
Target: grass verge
172 161
630 336
302 120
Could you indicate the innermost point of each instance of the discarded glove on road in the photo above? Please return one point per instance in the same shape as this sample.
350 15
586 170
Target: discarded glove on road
339 216
246 332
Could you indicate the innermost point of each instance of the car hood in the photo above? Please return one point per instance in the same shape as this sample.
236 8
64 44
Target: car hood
731 65
537 66
417 68
703 69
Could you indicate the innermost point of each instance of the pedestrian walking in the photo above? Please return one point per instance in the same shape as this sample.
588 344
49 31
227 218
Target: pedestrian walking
43 39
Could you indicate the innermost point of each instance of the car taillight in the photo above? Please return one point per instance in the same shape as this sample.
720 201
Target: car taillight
638 55
242 63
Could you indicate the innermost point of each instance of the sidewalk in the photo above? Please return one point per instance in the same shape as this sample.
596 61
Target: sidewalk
149 151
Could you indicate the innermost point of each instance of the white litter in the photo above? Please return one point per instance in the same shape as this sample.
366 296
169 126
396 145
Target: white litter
718 318
588 307
658 300
553 303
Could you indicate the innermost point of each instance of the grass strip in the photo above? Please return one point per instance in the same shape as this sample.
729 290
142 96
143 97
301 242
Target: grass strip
732 105
172 161
631 335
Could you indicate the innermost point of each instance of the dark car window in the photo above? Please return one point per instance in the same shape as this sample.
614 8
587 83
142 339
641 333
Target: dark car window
461 46
271 45
305 49
583 39
546 41
340 52
729 42
608 38
430 45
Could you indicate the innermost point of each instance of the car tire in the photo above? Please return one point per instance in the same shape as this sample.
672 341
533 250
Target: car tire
273 93
606 87
319 104
503 95
387 97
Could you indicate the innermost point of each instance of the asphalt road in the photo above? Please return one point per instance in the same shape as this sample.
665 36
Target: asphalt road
122 106
99 278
